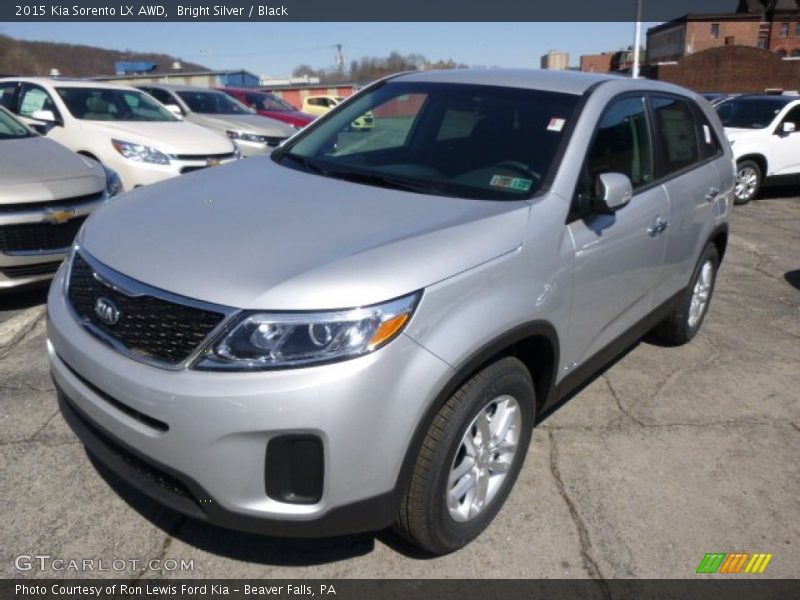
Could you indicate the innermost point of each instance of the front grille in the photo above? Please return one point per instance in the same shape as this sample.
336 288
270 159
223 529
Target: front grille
30 270
32 237
149 327
204 157
56 204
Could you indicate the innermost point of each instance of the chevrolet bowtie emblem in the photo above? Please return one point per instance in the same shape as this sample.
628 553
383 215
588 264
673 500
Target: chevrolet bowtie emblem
56 217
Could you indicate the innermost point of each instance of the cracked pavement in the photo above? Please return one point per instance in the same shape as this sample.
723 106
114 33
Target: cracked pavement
669 454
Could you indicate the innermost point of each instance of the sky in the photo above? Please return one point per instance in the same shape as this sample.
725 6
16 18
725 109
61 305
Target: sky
275 49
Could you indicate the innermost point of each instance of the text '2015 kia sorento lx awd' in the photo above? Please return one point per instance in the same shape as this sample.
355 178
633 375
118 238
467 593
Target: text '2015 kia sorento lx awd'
362 329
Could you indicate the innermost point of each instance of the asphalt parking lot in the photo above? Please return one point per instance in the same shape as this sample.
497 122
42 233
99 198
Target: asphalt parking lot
672 453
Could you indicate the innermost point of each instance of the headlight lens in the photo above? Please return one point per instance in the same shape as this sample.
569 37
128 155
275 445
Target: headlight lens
280 340
140 153
113 182
246 137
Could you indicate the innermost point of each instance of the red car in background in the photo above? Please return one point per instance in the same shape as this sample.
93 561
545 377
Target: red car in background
269 105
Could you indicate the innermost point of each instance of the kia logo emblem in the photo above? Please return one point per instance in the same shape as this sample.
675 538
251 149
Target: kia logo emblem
106 311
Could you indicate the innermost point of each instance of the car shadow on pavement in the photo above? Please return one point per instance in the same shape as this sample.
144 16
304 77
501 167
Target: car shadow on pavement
793 278
249 547
25 298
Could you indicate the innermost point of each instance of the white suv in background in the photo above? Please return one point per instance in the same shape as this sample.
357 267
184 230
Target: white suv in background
764 132
121 127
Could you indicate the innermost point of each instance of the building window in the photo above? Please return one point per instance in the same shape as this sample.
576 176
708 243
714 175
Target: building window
784 33
797 29
715 31
762 42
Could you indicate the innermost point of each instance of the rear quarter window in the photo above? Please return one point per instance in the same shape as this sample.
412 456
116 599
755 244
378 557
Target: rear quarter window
677 133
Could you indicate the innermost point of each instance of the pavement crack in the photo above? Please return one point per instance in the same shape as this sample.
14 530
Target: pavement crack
589 563
620 406
795 425
19 328
165 546
42 428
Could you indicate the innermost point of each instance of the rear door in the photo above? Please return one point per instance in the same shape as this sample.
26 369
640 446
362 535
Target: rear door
688 151
618 257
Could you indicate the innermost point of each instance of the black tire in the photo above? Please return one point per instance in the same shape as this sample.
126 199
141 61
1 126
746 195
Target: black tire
424 518
745 197
677 328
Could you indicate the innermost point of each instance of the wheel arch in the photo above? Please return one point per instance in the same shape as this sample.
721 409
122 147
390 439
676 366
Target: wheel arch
88 154
757 158
719 237
535 344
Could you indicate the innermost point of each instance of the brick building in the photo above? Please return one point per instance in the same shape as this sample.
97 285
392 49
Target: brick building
597 63
772 25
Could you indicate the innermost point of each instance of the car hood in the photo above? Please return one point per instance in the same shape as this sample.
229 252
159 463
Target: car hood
254 234
243 123
37 169
170 137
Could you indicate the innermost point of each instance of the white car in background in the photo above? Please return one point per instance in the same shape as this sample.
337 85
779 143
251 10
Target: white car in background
764 132
121 127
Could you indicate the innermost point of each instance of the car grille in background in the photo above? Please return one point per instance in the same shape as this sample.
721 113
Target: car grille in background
30 270
204 157
149 327
56 204
30 237
272 142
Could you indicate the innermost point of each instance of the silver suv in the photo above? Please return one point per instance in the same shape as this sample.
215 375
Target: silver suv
361 329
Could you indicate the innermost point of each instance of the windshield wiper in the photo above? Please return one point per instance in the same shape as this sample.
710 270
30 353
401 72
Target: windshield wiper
307 163
388 181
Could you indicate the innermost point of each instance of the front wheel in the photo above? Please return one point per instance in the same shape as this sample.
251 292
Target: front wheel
748 181
470 459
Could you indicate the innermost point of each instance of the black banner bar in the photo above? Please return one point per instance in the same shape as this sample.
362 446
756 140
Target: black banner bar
704 587
357 10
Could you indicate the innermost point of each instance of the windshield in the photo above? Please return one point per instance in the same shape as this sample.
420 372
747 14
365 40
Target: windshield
213 103
270 102
750 113
471 141
109 104
10 128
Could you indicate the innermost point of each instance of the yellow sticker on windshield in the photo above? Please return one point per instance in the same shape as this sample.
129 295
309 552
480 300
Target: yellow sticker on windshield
518 184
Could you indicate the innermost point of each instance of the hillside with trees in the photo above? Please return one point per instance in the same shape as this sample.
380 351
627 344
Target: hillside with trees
370 68
22 57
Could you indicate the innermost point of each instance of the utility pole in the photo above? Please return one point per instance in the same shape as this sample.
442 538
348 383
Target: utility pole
339 58
637 40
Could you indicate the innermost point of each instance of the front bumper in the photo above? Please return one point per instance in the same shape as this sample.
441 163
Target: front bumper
365 411
23 267
135 173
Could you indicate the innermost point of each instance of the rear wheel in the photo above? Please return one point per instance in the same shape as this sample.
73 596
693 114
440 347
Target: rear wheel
470 459
683 323
748 181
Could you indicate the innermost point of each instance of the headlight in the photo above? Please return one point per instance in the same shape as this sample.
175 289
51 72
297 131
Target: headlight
246 137
140 153
280 340
113 182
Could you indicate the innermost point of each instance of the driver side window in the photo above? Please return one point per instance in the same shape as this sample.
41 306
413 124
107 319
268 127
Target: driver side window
622 145
793 116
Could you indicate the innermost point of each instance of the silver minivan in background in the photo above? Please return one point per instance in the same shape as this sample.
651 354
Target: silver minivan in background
46 192
362 329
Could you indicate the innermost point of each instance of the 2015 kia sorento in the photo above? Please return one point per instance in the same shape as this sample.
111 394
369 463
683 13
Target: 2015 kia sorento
361 329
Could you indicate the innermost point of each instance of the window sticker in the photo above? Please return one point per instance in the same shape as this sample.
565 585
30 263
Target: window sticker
707 134
556 124
518 184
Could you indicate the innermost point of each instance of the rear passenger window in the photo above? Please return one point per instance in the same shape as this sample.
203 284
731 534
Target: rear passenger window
622 145
678 133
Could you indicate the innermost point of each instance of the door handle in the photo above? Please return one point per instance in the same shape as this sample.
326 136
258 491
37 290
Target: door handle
658 227
712 194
